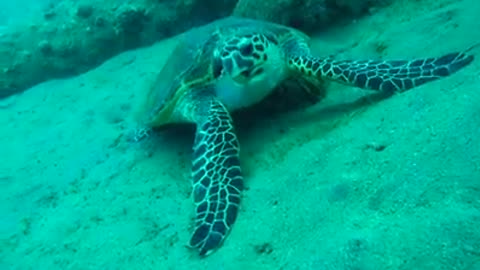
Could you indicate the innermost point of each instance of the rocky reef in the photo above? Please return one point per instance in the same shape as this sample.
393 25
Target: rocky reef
72 37
307 15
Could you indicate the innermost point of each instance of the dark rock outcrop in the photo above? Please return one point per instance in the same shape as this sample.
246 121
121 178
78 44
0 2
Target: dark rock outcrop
73 37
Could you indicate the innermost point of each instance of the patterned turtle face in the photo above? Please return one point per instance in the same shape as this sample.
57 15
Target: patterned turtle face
243 57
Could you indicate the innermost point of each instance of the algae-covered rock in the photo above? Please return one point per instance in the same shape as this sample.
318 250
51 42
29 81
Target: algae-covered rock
72 37
307 15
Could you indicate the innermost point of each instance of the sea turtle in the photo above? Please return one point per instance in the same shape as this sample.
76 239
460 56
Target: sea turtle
234 63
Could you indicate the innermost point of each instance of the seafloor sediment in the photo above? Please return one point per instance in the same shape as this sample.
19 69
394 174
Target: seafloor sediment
345 184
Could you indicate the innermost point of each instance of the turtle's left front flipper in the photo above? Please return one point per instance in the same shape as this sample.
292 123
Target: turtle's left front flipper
217 176
382 75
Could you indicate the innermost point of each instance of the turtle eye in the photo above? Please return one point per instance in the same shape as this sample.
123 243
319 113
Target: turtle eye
248 74
245 73
243 77
217 67
257 72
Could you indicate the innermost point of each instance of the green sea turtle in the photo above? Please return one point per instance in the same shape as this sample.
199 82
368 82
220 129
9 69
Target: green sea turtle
234 63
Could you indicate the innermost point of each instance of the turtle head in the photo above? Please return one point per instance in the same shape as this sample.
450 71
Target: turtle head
248 57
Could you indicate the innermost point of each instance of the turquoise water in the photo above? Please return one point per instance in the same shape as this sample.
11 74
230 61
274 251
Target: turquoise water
351 182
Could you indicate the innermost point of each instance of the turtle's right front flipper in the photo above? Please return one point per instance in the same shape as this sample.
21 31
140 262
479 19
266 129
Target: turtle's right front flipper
217 177
382 75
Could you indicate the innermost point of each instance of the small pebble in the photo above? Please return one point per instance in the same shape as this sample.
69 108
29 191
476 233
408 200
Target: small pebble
265 248
376 147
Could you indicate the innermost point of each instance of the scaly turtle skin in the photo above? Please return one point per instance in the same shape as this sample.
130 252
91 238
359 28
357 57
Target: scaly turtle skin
234 63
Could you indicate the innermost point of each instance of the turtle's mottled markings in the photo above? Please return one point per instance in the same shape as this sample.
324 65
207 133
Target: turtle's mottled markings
234 63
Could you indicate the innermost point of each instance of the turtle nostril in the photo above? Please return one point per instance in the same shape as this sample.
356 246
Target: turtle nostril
257 72
245 73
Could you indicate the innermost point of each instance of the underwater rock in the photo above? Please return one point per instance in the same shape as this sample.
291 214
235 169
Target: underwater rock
84 11
72 36
306 15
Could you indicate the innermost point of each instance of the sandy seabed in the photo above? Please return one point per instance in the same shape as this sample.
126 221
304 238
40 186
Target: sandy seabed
340 185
